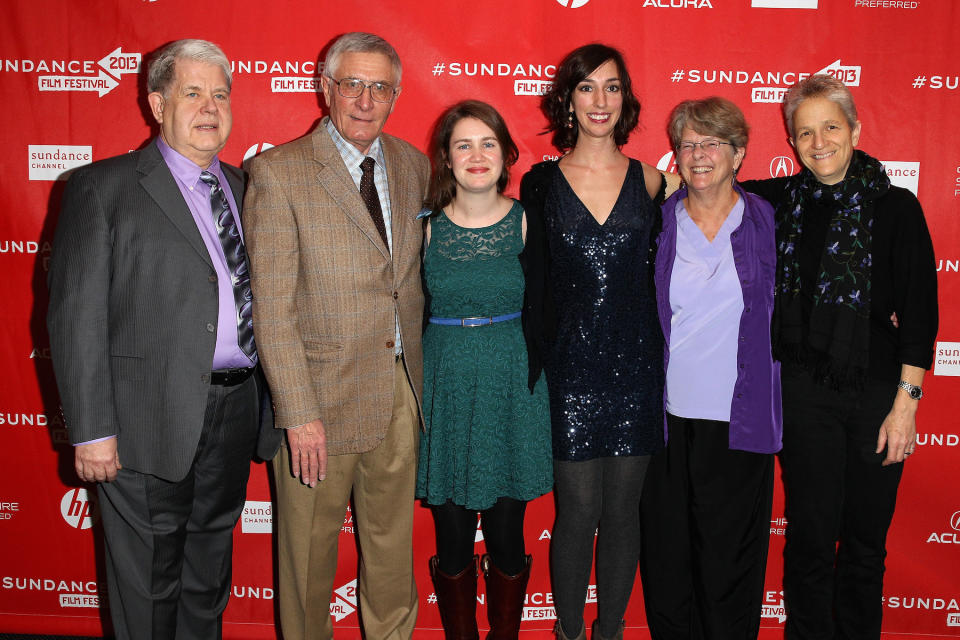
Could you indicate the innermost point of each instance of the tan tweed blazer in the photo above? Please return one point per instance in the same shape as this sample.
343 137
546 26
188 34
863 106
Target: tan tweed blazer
325 290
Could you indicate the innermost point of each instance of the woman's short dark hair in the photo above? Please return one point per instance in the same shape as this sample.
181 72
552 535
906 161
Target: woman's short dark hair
575 67
443 186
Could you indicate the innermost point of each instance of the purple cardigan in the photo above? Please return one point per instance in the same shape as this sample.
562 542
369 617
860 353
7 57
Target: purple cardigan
756 422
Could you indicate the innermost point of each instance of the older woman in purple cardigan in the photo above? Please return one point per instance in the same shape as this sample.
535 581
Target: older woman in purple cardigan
708 494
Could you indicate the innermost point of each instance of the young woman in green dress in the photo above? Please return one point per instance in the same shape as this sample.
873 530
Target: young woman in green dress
487 445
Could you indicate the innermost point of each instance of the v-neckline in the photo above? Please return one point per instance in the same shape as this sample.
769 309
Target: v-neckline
623 184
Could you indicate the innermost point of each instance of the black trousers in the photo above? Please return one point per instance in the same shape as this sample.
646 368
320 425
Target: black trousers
706 529
840 502
169 545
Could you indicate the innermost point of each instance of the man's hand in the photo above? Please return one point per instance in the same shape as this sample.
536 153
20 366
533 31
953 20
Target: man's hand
308 452
97 461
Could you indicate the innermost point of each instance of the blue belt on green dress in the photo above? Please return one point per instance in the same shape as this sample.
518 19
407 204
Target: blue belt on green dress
473 321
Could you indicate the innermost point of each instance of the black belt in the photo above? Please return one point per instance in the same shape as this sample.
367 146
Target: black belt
230 377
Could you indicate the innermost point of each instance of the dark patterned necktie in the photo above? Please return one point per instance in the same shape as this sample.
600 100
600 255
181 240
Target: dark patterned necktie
236 256
368 191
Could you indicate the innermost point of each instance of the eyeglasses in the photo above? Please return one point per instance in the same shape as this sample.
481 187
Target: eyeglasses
354 88
708 146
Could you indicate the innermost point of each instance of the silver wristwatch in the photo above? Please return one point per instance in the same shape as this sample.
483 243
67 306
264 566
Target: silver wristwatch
915 392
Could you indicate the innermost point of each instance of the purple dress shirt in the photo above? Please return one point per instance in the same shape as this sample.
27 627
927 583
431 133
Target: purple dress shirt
756 422
706 304
227 354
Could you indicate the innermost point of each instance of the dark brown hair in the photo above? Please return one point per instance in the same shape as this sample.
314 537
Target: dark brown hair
575 67
443 186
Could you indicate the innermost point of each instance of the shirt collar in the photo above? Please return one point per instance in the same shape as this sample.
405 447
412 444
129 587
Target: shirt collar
350 154
184 169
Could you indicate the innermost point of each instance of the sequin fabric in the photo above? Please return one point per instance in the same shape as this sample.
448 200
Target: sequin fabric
605 370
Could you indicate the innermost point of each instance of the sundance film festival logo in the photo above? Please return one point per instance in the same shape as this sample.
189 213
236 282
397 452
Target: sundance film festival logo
926 603
539 606
773 607
287 76
102 76
70 593
344 601
528 79
55 161
765 86
78 509
848 75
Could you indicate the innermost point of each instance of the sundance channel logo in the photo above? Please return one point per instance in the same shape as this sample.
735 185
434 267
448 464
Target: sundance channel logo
257 517
947 359
56 161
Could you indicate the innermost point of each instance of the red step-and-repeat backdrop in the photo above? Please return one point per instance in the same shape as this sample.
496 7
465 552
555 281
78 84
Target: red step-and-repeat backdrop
72 94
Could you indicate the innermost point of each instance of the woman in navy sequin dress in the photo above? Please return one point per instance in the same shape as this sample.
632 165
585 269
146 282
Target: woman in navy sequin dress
591 323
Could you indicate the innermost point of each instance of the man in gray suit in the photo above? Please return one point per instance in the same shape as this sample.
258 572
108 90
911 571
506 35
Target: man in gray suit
153 350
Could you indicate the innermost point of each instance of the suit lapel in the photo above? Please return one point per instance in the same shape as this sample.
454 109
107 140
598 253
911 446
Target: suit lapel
235 180
160 185
399 193
335 179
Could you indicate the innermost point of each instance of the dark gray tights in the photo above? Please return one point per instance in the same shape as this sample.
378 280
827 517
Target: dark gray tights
601 495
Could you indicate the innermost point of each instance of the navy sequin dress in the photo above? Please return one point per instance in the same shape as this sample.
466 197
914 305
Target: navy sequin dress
605 369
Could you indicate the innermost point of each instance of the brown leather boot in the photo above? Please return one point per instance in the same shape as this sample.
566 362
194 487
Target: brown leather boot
505 596
457 600
558 629
596 635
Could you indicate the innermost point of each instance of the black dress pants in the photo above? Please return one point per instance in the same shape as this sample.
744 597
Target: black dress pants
839 504
169 545
706 528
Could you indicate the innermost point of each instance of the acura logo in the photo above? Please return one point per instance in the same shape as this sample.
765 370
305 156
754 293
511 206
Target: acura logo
955 521
781 167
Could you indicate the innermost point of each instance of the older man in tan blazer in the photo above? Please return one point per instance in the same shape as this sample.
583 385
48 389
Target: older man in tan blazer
334 243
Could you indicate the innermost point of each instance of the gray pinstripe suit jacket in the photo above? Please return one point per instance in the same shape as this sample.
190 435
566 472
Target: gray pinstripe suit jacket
133 314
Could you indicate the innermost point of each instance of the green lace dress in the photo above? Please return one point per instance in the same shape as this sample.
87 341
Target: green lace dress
486 436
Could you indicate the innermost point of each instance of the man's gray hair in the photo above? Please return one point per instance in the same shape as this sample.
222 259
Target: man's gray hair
162 67
360 42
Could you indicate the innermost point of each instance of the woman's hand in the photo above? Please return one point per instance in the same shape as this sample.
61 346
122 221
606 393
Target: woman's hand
898 433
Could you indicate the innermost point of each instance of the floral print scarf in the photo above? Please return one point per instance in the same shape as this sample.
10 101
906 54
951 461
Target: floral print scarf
836 341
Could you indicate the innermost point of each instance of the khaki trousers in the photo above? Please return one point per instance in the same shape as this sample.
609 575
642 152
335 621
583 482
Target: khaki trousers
382 482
